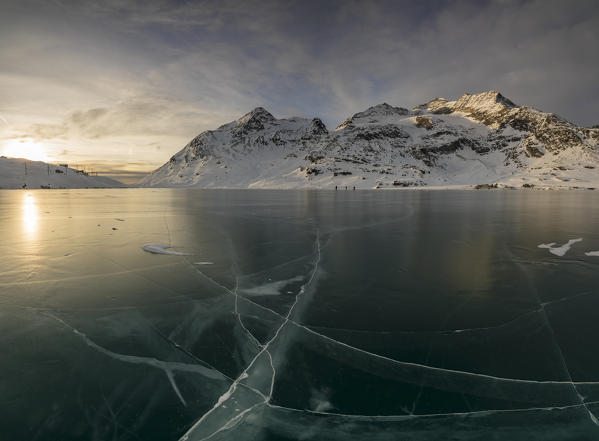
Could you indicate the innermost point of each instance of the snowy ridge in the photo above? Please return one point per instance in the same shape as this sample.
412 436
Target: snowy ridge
22 173
479 139
375 115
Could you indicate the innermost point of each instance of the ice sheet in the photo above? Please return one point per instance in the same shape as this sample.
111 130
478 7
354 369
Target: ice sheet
291 315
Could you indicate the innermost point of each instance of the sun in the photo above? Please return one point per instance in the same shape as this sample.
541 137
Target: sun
25 148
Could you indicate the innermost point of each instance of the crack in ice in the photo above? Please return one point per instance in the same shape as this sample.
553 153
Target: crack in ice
264 349
89 276
428 415
418 365
563 249
166 366
287 320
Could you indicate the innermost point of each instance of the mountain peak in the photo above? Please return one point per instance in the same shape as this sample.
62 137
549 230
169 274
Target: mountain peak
484 100
381 109
261 111
374 114
490 101
489 108
254 120
258 114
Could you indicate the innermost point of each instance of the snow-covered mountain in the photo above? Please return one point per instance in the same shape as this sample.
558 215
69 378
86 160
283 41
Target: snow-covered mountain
22 173
478 139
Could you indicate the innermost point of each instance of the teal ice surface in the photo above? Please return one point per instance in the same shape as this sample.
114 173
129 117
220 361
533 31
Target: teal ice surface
312 315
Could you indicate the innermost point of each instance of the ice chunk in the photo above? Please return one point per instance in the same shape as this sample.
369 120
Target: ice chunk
155 248
561 250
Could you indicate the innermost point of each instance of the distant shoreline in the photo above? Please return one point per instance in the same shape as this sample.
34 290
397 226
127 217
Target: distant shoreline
340 190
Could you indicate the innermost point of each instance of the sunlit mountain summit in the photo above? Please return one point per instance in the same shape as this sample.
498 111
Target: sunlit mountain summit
482 138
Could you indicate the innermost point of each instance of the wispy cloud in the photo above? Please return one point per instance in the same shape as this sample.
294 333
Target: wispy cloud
135 116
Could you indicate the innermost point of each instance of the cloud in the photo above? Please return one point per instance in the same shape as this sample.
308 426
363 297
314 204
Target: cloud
136 116
130 117
208 16
113 77
535 52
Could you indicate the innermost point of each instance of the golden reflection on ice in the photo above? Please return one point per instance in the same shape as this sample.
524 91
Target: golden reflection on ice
30 215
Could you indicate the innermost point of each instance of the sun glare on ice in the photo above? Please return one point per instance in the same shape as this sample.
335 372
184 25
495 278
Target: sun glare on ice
30 215
26 149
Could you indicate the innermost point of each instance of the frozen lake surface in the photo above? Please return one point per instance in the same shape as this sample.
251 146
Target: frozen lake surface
173 314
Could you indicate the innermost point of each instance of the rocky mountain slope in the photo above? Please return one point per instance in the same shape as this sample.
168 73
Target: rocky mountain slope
478 139
22 173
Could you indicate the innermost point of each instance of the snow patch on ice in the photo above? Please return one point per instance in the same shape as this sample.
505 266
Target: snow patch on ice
271 289
561 250
203 263
320 401
592 253
155 248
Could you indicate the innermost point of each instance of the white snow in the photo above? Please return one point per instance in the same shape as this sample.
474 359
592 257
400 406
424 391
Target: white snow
387 147
22 173
561 250
592 253
270 289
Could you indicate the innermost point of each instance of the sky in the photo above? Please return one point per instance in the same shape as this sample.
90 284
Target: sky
120 86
